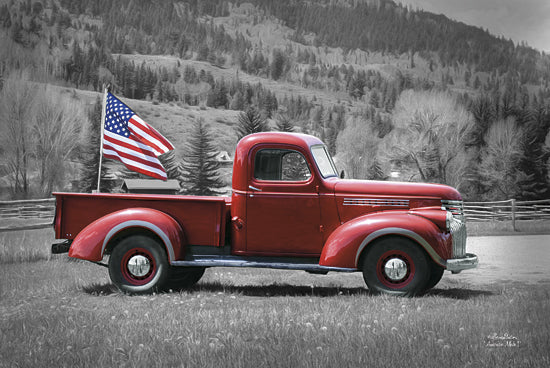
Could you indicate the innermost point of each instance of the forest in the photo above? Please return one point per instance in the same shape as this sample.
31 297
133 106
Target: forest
427 99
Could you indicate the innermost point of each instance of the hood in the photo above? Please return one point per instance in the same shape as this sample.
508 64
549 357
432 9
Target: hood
398 189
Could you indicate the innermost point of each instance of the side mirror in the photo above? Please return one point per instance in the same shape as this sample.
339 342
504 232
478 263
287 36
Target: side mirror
342 174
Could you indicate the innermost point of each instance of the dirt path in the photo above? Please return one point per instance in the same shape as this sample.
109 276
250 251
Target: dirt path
506 259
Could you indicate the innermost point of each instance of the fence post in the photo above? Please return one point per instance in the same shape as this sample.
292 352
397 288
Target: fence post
513 214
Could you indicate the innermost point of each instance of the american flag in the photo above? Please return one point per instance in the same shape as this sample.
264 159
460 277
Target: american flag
130 140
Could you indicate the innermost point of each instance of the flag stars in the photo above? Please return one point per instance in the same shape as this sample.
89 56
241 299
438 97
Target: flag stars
118 116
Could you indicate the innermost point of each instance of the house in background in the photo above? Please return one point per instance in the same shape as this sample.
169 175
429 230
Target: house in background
224 159
150 186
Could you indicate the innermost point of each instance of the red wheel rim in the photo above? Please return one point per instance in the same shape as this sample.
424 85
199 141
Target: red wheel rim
399 279
138 266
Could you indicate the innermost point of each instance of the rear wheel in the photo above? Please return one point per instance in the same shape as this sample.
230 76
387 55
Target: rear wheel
138 265
396 266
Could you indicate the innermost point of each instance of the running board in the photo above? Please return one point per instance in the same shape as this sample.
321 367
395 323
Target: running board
234 261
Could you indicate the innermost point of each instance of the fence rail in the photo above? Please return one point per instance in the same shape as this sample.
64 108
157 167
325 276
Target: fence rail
36 214
510 210
39 213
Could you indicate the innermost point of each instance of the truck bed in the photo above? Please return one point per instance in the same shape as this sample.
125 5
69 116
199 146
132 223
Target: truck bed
202 218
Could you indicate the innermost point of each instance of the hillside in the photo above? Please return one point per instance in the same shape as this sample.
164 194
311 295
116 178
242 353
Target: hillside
339 69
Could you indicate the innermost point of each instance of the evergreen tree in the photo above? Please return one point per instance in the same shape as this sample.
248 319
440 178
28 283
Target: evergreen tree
238 102
173 166
484 115
278 64
250 122
90 157
375 99
283 123
200 165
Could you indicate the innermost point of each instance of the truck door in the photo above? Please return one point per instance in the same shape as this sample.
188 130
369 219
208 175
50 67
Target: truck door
282 205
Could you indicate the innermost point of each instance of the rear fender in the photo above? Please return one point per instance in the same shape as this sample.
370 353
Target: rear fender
90 244
345 245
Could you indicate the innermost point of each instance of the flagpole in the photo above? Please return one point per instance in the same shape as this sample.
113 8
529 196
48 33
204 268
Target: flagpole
104 104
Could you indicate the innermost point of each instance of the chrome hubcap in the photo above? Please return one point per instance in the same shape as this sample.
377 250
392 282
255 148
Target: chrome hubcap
395 269
139 265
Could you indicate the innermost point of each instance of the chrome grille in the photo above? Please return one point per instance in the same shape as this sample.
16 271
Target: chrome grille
455 207
458 226
458 232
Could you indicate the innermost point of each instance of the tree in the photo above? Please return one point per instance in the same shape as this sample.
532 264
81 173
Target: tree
283 123
200 165
250 122
546 150
57 138
16 118
484 114
430 134
535 123
238 101
500 160
357 150
375 99
174 168
38 135
278 64
217 96
90 155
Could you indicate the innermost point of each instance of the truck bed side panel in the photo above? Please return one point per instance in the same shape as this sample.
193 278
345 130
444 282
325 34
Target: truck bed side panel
202 218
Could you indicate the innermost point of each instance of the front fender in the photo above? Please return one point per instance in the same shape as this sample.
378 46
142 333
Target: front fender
345 245
91 242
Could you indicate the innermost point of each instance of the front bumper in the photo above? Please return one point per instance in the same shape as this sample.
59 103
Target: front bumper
455 265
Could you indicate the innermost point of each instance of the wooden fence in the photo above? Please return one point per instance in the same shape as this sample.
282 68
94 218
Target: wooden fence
509 210
27 214
39 213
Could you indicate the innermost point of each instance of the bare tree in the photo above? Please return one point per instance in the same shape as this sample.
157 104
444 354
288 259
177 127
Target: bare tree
500 160
546 150
357 150
39 131
431 130
16 116
57 133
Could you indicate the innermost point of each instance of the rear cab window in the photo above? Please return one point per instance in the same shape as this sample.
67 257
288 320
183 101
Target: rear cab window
281 165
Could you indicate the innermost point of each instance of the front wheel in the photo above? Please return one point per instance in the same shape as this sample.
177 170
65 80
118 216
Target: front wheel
138 265
184 277
396 266
435 276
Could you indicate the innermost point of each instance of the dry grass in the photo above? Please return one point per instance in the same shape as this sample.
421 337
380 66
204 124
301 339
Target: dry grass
25 246
60 313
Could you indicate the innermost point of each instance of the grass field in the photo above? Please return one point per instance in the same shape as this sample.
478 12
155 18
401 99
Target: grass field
56 313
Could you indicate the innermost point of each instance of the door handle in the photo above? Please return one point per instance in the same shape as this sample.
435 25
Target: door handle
254 188
237 222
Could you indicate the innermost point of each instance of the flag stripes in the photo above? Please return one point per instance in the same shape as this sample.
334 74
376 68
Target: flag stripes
149 135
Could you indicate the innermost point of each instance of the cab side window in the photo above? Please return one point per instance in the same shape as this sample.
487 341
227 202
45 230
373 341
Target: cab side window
280 165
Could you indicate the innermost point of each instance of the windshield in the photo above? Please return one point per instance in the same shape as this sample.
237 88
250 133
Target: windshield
324 161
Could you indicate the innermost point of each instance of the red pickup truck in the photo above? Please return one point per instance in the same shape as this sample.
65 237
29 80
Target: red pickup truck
289 209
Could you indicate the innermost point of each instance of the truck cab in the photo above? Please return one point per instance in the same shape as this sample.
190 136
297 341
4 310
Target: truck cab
289 209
